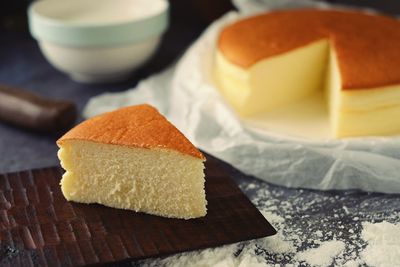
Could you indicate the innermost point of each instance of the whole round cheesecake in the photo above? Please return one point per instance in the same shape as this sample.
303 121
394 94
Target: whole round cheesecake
133 158
279 58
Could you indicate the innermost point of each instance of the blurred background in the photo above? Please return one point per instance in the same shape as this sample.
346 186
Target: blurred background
188 18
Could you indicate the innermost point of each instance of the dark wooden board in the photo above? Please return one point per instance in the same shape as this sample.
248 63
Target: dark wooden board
38 227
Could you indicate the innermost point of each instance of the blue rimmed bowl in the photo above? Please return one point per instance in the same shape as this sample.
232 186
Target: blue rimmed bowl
98 40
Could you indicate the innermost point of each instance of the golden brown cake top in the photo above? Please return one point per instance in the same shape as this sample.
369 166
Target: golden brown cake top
367 46
135 126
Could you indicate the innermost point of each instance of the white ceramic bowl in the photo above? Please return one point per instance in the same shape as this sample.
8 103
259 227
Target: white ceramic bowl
98 40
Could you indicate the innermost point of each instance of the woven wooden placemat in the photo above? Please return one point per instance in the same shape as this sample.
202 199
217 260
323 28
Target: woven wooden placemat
38 227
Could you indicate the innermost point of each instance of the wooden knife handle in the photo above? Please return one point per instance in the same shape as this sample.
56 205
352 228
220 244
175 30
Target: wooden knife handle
30 111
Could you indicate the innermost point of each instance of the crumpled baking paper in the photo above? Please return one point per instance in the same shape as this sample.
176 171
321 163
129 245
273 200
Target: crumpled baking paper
185 93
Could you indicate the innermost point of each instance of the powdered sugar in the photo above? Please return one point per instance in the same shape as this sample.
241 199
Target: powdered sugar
322 255
383 247
353 263
343 229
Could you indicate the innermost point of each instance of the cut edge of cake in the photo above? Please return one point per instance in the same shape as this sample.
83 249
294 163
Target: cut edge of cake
155 181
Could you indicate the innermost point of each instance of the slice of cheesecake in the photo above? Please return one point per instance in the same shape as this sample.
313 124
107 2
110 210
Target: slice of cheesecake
133 158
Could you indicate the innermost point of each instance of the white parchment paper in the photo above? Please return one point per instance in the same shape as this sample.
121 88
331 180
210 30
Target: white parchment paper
186 95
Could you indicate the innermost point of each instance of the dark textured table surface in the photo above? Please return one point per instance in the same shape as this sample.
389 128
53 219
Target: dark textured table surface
22 64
